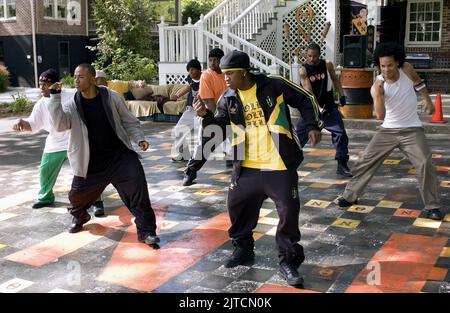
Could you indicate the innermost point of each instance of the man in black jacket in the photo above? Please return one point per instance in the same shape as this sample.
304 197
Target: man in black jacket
266 156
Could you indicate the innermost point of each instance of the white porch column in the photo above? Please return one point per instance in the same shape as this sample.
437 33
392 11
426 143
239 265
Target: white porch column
295 67
201 40
331 38
274 68
225 31
162 41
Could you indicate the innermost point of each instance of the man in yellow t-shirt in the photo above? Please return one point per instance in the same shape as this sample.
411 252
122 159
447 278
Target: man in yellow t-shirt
266 156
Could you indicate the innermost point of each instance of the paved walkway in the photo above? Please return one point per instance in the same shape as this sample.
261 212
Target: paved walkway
386 231
33 94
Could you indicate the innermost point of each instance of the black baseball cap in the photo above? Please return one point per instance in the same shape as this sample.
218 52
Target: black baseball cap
235 60
49 76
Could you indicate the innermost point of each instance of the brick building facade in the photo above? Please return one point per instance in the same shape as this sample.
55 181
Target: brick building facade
61 36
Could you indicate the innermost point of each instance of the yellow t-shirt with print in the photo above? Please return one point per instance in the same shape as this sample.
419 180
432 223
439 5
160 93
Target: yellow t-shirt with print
260 150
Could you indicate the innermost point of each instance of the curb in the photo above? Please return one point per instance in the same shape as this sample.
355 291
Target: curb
372 124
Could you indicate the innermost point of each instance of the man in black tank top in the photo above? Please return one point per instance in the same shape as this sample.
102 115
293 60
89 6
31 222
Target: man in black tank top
314 77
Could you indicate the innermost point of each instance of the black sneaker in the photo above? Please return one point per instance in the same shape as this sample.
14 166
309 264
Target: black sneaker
344 204
290 273
38 205
434 214
78 222
342 169
189 177
241 256
99 209
148 239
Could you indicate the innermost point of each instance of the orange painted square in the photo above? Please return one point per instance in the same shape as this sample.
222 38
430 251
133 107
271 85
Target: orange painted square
442 168
437 273
407 213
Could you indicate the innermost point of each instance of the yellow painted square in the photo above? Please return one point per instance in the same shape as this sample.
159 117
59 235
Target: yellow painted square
318 203
425 222
346 223
436 156
445 252
256 236
206 192
220 177
320 185
445 183
159 168
389 204
303 173
313 165
272 231
446 218
2 246
114 196
361 208
269 221
391 162
412 171
155 157
264 212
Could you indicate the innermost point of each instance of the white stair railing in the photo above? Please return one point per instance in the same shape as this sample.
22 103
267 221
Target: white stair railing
250 22
179 44
229 9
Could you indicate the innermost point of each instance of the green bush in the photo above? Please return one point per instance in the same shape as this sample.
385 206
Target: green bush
127 65
4 78
20 103
68 81
195 8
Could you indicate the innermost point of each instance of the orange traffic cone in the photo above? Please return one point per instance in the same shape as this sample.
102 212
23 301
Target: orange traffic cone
437 115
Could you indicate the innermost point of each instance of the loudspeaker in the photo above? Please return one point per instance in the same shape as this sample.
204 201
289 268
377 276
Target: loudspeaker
355 51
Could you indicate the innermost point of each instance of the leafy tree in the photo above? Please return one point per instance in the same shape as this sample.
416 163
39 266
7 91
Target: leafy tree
195 8
123 29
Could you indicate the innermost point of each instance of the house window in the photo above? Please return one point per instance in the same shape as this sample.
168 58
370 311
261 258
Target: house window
61 8
7 9
424 23
55 9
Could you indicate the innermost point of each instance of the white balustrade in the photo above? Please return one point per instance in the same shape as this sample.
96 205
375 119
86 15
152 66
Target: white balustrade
249 22
228 26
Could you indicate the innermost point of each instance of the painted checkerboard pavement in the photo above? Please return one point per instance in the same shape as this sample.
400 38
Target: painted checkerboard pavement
343 247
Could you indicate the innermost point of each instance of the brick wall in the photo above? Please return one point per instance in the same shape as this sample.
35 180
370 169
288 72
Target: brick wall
440 55
60 27
22 24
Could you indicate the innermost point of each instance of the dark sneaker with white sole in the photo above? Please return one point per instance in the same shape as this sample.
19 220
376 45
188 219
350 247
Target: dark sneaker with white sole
344 204
241 256
290 273
148 239
434 214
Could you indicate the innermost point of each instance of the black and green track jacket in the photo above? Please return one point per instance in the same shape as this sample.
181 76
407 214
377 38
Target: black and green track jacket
274 93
